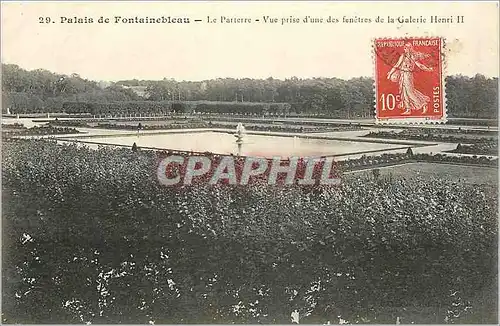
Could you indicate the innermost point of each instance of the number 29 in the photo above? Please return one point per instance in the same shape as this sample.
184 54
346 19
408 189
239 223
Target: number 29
44 20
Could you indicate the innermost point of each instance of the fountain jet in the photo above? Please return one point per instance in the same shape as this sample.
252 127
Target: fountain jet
240 130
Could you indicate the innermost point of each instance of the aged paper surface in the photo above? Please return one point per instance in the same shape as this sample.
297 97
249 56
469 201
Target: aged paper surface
249 162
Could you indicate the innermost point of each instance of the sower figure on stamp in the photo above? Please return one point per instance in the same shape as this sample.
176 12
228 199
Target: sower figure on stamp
402 72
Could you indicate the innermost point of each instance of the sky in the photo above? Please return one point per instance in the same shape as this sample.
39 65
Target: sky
199 51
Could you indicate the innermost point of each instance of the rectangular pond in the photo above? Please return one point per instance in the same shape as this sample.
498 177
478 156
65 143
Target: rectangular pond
253 145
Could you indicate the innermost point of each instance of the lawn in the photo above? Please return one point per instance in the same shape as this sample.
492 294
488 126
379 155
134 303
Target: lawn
461 173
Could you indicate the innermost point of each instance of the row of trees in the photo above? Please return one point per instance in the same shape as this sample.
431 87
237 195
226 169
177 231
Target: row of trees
330 96
120 107
43 91
133 108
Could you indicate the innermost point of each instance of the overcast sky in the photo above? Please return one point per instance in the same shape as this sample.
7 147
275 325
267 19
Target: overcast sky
198 51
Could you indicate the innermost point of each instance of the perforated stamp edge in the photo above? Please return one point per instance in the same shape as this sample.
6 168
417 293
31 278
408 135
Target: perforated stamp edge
444 74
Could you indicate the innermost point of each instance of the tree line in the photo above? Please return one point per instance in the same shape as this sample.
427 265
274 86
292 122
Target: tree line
43 91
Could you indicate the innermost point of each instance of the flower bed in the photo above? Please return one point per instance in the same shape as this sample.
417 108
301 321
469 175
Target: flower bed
40 131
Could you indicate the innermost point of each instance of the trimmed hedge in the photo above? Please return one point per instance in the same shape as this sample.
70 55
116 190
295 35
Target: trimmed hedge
156 107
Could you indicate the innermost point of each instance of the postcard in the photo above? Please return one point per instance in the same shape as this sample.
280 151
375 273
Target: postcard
249 162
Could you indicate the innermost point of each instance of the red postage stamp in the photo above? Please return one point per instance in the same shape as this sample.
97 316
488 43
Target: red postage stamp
409 80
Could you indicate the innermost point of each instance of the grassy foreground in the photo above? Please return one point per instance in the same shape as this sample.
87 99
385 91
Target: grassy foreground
90 236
